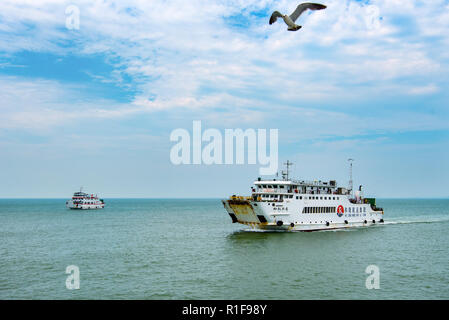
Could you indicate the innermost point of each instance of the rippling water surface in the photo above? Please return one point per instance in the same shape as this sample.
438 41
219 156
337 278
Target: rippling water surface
189 249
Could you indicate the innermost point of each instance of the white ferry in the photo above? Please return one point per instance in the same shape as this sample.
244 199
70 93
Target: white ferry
84 201
298 205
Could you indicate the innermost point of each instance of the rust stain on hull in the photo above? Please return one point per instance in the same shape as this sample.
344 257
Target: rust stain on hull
243 210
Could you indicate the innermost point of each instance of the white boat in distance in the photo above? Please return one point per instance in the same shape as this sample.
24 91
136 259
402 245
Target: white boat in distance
298 205
84 201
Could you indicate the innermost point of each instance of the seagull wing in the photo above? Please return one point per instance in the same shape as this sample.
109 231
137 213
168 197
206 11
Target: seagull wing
274 17
303 7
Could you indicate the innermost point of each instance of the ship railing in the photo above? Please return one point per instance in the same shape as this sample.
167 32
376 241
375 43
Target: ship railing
314 183
294 191
240 198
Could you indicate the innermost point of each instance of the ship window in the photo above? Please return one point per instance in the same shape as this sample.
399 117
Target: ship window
300 197
282 187
321 198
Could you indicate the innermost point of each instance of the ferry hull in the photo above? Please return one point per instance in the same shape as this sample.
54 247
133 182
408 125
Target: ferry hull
288 216
86 208
73 206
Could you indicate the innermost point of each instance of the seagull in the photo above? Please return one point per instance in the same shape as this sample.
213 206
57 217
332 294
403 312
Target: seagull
290 20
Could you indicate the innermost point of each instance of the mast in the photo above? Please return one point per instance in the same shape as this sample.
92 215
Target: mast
350 175
285 174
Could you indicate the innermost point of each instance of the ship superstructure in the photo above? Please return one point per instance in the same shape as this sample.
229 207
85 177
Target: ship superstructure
287 204
85 201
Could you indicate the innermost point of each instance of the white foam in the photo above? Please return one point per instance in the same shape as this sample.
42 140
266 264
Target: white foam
388 222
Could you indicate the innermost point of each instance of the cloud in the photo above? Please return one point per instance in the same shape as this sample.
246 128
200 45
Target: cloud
193 56
428 89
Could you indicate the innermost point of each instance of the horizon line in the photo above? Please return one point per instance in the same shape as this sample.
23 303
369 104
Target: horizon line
193 198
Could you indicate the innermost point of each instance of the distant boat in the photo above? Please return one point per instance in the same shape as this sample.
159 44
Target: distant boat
84 201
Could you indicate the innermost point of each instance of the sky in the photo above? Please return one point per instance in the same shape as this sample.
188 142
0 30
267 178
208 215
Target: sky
94 105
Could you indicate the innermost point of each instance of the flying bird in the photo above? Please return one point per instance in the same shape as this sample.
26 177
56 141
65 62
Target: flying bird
290 20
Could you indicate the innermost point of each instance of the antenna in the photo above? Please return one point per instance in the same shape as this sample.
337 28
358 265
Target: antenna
285 174
350 175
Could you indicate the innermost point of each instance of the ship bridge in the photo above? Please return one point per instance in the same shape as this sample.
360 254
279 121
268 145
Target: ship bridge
277 190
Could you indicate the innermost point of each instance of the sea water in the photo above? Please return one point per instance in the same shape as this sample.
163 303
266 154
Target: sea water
189 249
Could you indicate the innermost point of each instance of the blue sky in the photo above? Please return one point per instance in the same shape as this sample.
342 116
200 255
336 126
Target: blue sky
94 107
